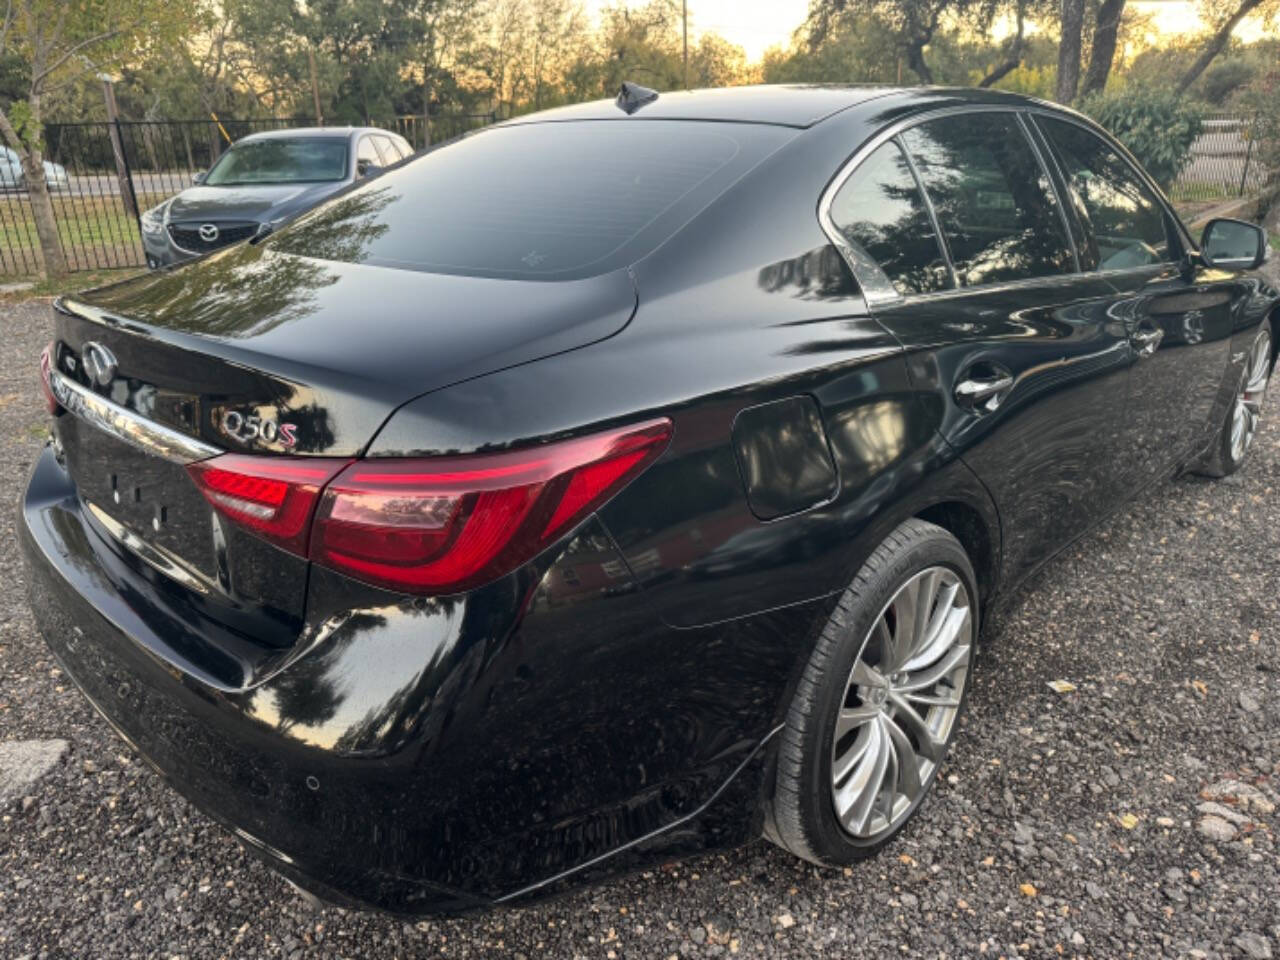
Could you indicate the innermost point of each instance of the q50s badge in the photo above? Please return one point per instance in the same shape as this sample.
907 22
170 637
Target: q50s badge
248 429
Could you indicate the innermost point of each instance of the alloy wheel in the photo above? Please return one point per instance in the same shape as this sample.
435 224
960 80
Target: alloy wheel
1253 388
900 704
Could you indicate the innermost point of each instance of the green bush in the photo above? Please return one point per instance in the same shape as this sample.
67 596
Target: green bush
1226 78
1157 127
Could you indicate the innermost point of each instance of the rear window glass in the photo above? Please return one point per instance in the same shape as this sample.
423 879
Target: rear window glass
537 201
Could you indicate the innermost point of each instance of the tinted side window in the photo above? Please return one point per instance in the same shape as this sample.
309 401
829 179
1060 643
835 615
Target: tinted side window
1125 218
993 199
367 153
389 153
880 209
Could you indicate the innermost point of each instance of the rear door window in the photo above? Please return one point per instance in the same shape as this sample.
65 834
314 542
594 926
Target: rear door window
880 209
994 202
1124 217
386 150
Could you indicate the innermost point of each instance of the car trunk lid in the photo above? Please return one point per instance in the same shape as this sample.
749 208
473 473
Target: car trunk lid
267 353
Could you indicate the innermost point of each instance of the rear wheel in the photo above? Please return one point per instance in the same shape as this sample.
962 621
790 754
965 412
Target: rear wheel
877 706
1241 426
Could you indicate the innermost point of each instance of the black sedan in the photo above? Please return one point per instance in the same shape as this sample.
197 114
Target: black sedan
648 502
262 181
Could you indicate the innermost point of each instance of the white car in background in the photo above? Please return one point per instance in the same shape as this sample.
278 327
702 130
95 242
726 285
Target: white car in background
12 177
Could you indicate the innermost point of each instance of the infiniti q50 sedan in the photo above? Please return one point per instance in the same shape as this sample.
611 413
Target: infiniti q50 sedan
623 481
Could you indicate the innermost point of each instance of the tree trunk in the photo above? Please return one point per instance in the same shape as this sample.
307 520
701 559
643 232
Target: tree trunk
55 262
915 61
1015 53
1069 50
1104 47
1216 45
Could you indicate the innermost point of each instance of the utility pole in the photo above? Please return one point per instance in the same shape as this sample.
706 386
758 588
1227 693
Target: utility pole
684 15
117 147
315 86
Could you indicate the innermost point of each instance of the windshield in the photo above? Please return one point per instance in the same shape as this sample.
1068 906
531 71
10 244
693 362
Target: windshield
280 160
544 201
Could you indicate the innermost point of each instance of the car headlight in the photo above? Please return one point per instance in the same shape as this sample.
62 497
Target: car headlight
153 220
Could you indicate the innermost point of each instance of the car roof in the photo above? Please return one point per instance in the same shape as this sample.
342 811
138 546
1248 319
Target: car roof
314 133
793 105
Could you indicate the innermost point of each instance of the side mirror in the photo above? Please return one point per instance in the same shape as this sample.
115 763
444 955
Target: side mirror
198 177
1233 244
366 168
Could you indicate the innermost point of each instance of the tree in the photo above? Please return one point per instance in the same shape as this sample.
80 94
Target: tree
1072 26
59 41
451 30
1228 20
913 23
1102 54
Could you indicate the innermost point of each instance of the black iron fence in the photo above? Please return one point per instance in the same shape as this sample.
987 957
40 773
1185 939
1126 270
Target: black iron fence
102 175
1224 163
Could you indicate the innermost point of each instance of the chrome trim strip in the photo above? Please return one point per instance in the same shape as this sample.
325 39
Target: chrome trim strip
153 555
154 438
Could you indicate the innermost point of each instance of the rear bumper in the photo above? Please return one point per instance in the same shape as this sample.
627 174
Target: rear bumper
442 782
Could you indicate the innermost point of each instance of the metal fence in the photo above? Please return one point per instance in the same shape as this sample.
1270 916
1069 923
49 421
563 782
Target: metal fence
102 175
1224 162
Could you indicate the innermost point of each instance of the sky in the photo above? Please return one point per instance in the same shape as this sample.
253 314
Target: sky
756 25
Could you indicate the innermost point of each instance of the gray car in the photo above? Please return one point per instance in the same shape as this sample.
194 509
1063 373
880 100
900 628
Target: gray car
263 180
13 178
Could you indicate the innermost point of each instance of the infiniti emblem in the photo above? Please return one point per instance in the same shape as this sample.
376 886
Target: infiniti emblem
208 232
99 363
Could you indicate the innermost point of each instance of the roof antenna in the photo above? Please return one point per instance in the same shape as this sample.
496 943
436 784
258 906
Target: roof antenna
632 97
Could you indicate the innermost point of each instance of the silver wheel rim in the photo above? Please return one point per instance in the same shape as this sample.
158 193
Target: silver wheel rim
900 704
1253 389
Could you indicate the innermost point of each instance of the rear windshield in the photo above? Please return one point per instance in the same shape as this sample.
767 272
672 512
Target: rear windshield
537 201
278 160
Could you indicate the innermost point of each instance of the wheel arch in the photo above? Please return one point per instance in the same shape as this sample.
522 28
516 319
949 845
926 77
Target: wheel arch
967 524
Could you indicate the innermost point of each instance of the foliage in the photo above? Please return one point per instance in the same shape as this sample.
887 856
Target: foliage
1226 78
1157 127
1260 104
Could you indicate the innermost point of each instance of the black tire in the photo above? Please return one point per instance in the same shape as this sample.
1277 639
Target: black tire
1226 456
800 814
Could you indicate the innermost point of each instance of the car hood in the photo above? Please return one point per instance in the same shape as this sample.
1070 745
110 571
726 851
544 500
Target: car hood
267 202
334 346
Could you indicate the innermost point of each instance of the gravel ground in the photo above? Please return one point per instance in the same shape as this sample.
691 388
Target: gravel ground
1131 817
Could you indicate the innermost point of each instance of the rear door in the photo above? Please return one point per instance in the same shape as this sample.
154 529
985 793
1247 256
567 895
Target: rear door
1008 342
1178 318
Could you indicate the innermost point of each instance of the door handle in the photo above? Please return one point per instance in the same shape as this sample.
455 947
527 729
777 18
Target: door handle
1146 341
983 395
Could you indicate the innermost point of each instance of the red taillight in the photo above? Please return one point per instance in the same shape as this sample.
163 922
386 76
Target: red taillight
273 497
437 525
46 368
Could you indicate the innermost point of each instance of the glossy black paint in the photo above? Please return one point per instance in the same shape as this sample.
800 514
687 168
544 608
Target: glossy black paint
614 702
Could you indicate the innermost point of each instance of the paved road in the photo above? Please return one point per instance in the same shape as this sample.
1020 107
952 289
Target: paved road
1063 823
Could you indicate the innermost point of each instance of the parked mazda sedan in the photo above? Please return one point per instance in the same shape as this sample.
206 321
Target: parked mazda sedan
262 181
619 484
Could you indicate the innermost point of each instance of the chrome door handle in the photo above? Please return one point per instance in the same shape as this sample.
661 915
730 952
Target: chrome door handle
971 393
1146 342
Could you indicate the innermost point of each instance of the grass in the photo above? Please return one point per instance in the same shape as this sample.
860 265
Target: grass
79 280
96 232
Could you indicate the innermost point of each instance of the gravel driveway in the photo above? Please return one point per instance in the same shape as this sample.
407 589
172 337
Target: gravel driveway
1132 816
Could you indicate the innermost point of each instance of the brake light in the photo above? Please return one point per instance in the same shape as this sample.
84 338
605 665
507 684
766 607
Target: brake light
46 372
273 497
442 525
430 525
